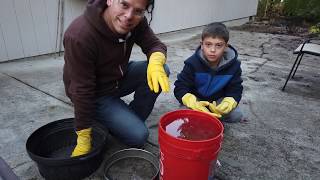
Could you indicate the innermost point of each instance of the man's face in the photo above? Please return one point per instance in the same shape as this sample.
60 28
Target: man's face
213 49
124 15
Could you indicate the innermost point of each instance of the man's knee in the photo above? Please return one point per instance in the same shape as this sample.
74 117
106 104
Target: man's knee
138 138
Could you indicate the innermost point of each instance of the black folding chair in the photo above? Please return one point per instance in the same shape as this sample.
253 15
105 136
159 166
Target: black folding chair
307 47
5 171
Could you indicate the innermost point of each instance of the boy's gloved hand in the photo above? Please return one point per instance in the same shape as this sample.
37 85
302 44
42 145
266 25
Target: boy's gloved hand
190 101
83 142
226 105
156 74
213 109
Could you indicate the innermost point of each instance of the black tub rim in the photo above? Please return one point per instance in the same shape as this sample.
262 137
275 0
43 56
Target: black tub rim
66 161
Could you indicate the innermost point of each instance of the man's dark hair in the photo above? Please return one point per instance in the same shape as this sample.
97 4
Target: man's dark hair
150 4
216 30
150 7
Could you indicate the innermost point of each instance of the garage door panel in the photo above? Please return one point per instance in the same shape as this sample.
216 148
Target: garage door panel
3 51
40 21
27 28
10 30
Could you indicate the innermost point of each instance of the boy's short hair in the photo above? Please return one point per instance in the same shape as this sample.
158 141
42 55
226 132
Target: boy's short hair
216 30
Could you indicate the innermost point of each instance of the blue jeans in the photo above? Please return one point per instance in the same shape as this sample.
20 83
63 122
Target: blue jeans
126 121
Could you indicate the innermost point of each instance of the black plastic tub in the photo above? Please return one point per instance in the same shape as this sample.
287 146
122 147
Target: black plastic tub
51 145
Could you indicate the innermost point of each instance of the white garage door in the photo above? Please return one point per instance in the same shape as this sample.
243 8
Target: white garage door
31 27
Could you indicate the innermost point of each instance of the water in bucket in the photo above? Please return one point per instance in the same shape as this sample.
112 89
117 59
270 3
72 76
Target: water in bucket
191 129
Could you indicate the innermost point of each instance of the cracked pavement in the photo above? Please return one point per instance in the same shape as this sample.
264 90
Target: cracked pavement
279 140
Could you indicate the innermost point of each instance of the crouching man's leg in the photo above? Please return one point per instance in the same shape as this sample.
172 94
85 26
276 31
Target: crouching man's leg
135 80
126 122
121 121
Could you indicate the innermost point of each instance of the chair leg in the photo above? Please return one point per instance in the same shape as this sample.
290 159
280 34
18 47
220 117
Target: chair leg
297 65
6 172
289 76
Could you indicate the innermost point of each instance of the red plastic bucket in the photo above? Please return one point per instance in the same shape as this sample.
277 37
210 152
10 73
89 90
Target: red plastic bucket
188 159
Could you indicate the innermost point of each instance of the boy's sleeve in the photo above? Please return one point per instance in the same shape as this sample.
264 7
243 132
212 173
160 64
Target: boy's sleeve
234 88
184 83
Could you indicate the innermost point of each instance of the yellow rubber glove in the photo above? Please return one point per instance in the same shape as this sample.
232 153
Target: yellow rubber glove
213 109
226 105
190 101
156 74
83 142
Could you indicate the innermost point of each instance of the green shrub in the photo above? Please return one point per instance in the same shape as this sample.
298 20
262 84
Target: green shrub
315 29
261 8
269 8
306 9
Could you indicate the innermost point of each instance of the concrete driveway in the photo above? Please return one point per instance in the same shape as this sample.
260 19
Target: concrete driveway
279 140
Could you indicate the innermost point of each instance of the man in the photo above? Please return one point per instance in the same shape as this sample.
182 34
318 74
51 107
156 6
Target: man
97 71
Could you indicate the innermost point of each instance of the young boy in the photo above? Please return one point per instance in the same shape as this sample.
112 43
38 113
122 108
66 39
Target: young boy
212 74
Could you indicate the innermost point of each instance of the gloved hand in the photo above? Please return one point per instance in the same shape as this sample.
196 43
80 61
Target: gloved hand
83 142
213 109
190 101
156 74
226 105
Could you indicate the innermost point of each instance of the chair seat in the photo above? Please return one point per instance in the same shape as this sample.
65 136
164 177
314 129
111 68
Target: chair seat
309 48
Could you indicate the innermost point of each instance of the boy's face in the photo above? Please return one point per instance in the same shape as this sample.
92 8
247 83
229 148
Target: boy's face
213 49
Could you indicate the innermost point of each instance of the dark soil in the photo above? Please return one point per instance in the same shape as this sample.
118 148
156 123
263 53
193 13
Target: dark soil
275 26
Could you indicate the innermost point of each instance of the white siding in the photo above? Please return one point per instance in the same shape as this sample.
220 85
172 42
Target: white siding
181 14
32 27
27 28
10 30
51 7
40 22
3 50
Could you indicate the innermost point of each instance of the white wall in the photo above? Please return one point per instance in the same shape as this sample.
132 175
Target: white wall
32 27
171 15
27 28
